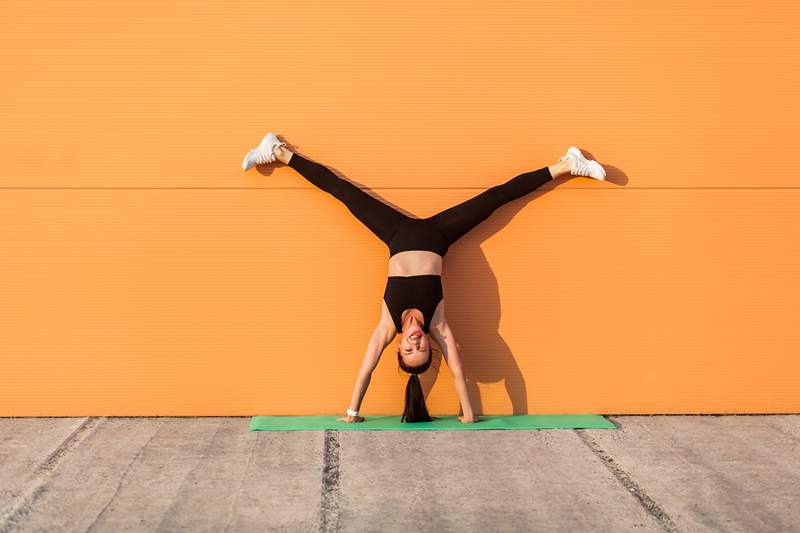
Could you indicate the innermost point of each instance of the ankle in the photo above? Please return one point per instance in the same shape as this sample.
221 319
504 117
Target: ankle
282 154
560 168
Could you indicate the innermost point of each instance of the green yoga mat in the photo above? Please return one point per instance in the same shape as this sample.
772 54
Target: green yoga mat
441 422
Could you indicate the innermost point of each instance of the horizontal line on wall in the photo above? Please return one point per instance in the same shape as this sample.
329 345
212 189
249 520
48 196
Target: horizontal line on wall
395 188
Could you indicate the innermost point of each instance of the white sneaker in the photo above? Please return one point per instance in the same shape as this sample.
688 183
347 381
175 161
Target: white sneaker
263 152
582 166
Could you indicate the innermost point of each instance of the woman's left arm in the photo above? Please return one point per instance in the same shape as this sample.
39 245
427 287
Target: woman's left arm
444 338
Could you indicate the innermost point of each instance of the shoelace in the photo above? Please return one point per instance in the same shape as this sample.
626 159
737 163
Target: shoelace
581 168
265 157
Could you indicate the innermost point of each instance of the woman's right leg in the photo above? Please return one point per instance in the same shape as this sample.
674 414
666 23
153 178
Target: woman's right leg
382 219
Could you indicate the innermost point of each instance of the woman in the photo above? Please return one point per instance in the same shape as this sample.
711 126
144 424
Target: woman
413 304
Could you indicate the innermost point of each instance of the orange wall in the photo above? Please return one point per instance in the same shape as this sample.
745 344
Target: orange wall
143 273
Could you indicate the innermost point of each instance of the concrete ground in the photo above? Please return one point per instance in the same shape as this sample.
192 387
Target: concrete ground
652 473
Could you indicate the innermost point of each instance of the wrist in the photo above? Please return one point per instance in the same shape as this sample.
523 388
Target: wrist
352 412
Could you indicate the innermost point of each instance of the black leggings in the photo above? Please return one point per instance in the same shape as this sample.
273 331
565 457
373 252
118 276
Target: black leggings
383 220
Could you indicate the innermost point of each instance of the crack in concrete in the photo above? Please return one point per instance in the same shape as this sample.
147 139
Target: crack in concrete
121 479
174 501
22 505
329 500
648 503
238 491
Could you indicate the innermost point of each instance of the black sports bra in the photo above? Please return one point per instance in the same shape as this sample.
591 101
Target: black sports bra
419 292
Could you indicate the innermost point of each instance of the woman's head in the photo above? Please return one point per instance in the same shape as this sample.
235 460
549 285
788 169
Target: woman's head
414 346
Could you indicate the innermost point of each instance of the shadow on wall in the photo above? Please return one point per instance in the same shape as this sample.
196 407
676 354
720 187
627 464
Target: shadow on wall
486 357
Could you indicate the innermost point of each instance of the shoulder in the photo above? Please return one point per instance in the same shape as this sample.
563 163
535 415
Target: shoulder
386 324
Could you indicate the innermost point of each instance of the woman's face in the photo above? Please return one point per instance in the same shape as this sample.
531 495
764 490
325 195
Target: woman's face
414 343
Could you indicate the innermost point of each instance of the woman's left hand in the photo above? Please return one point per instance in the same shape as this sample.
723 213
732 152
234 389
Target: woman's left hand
470 419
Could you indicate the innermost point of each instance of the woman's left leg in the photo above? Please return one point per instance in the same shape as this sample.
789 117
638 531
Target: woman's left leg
459 219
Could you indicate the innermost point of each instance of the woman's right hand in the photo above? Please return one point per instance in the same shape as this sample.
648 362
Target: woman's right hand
349 418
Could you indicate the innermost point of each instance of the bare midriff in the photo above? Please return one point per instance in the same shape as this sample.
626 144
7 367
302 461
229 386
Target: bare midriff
415 263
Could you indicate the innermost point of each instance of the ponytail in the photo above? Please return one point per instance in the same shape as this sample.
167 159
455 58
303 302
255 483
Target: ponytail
415 409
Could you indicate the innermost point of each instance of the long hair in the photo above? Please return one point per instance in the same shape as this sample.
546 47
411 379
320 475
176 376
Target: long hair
415 409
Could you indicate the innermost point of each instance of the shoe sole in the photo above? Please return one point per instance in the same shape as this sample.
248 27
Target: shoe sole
245 165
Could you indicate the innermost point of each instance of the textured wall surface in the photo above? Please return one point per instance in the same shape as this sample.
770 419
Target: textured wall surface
143 273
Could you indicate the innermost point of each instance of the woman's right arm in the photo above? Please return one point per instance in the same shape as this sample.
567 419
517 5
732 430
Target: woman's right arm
379 340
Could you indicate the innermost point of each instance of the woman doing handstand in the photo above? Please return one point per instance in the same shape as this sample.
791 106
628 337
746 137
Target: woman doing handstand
413 304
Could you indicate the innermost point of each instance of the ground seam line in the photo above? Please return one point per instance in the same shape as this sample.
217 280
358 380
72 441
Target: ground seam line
329 498
648 503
